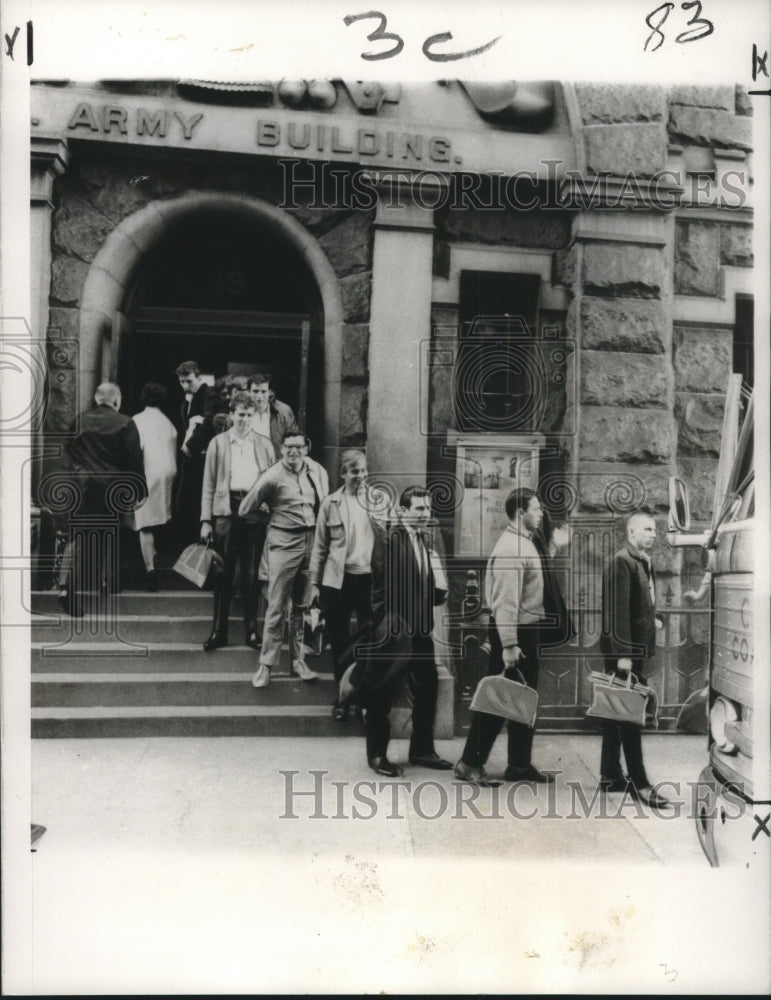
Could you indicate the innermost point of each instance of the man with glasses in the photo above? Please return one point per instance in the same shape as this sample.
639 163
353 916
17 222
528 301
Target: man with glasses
292 490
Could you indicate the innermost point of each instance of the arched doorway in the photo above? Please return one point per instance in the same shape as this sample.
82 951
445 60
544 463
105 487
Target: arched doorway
217 289
228 280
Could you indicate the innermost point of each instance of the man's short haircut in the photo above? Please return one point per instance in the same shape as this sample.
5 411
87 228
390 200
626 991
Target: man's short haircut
634 519
188 368
107 393
153 394
240 399
518 499
293 432
405 500
258 378
239 383
350 456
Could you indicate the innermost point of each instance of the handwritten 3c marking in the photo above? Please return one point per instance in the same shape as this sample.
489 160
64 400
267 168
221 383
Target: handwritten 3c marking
381 35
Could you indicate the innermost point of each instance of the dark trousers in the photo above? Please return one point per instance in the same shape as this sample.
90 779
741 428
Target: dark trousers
337 605
618 735
188 499
235 539
89 562
413 664
485 727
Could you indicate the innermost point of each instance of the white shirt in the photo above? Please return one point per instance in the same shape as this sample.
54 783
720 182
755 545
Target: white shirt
243 465
421 553
361 537
261 423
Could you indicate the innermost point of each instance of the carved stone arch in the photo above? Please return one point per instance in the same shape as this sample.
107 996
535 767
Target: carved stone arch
114 267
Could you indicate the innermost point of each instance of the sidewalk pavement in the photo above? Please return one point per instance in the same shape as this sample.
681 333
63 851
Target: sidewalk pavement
287 795
175 866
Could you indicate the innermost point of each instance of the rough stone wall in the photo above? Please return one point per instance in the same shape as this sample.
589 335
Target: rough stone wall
651 390
99 190
714 117
713 120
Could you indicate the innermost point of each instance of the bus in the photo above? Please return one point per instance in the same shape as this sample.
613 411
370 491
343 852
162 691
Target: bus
731 802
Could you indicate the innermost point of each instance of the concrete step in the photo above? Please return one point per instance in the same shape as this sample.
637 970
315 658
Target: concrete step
182 657
175 720
156 628
141 602
78 703
73 690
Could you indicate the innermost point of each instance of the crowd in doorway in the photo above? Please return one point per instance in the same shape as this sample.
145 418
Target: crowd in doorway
246 485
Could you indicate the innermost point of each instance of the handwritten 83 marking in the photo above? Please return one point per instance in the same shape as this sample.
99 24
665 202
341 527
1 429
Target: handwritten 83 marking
699 26
381 35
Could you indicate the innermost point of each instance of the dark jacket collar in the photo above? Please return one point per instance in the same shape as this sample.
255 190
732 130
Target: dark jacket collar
635 553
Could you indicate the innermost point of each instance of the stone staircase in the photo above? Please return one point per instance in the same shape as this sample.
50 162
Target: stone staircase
141 671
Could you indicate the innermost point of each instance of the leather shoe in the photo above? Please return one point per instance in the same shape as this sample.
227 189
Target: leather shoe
613 785
431 760
651 798
476 775
386 767
340 713
253 640
71 604
215 641
529 773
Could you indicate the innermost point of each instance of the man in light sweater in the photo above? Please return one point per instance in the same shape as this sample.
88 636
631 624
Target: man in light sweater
514 593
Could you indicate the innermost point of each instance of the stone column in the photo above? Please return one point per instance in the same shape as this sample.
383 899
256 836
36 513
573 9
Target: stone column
621 317
400 320
49 160
49 156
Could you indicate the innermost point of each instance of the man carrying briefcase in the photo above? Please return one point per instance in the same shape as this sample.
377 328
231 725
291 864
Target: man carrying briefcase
514 593
628 640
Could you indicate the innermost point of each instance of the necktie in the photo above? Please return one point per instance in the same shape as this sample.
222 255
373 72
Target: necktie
423 550
316 501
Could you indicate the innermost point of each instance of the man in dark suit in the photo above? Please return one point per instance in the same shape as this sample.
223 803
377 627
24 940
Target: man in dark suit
105 459
404 592
198 409
628 640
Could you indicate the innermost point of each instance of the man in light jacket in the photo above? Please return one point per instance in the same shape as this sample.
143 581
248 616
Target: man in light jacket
235 460
292 490
514 593
272 418
340 570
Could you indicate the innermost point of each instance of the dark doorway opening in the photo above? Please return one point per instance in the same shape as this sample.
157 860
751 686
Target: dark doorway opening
235 297
220 291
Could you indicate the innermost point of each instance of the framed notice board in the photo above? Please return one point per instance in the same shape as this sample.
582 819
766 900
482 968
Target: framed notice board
490 466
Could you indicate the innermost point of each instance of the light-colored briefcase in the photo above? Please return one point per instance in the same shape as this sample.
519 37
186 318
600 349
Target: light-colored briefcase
497 695
621 701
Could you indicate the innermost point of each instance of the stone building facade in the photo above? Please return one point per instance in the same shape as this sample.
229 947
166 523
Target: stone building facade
617 219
